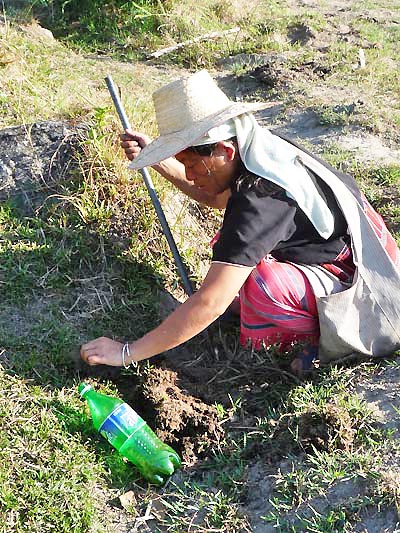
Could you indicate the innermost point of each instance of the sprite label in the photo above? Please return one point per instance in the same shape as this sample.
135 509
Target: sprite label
120 425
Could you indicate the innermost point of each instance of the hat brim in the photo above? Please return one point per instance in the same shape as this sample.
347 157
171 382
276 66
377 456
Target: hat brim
168 145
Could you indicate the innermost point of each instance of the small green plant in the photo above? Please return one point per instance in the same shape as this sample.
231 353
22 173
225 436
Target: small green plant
387 175
334 115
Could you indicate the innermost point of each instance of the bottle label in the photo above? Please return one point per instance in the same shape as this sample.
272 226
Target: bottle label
120 424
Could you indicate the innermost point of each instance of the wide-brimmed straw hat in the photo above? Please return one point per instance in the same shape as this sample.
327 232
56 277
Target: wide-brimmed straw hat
187 109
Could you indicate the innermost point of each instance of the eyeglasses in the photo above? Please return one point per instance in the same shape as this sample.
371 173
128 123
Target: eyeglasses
202 150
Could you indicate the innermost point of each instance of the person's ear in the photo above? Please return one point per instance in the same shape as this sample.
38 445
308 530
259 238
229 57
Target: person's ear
227 149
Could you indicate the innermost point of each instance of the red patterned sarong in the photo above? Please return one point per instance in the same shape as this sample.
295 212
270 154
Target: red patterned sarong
277 305
277 301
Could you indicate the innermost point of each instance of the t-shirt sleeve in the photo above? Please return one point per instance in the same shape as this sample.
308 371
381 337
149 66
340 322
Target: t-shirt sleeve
253 225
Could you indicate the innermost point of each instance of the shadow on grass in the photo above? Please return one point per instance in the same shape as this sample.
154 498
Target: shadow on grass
76 422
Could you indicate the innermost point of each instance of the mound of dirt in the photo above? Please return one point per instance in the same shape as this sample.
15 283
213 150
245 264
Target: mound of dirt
328 429
190 425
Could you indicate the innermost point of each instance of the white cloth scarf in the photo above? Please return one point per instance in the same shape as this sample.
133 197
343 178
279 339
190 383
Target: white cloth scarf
274 159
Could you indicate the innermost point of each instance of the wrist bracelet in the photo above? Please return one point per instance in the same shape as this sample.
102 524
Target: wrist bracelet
126 352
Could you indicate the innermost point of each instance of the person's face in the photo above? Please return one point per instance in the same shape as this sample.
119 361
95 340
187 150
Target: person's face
213 173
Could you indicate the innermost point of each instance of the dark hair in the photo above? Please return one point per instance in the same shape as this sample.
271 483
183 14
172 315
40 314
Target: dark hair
263 187
207 149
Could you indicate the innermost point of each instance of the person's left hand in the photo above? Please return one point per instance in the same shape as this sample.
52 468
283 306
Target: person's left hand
102 351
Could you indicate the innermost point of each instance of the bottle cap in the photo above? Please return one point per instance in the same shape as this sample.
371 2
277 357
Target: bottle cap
83 388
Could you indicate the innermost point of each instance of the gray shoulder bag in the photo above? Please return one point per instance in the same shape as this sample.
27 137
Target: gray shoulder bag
365 318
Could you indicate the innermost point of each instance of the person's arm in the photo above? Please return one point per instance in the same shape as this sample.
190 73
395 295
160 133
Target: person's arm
132 143
218 290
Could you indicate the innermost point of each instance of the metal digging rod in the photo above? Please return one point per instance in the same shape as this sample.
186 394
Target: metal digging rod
153 195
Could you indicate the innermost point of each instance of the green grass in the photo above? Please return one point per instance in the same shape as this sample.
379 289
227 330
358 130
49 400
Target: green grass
187 504
52 461
351 453
37 451
380 184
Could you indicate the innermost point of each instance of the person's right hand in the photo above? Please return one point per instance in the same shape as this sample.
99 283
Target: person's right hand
132 143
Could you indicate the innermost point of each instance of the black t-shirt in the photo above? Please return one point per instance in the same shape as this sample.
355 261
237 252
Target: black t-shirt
260 219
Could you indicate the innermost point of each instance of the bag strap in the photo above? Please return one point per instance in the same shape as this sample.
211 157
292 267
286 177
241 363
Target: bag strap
374 265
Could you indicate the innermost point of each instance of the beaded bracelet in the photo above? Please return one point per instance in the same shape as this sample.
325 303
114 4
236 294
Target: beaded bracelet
126 352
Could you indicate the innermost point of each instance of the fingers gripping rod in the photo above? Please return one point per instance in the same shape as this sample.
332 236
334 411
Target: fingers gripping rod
153 195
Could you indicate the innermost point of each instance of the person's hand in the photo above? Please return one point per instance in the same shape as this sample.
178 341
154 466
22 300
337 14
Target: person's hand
132 143
102 351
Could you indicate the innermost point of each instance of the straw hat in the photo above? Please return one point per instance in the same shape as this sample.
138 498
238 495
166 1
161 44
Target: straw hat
185 110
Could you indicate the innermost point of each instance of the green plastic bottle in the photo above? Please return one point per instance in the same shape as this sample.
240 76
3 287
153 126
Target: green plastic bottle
131 436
